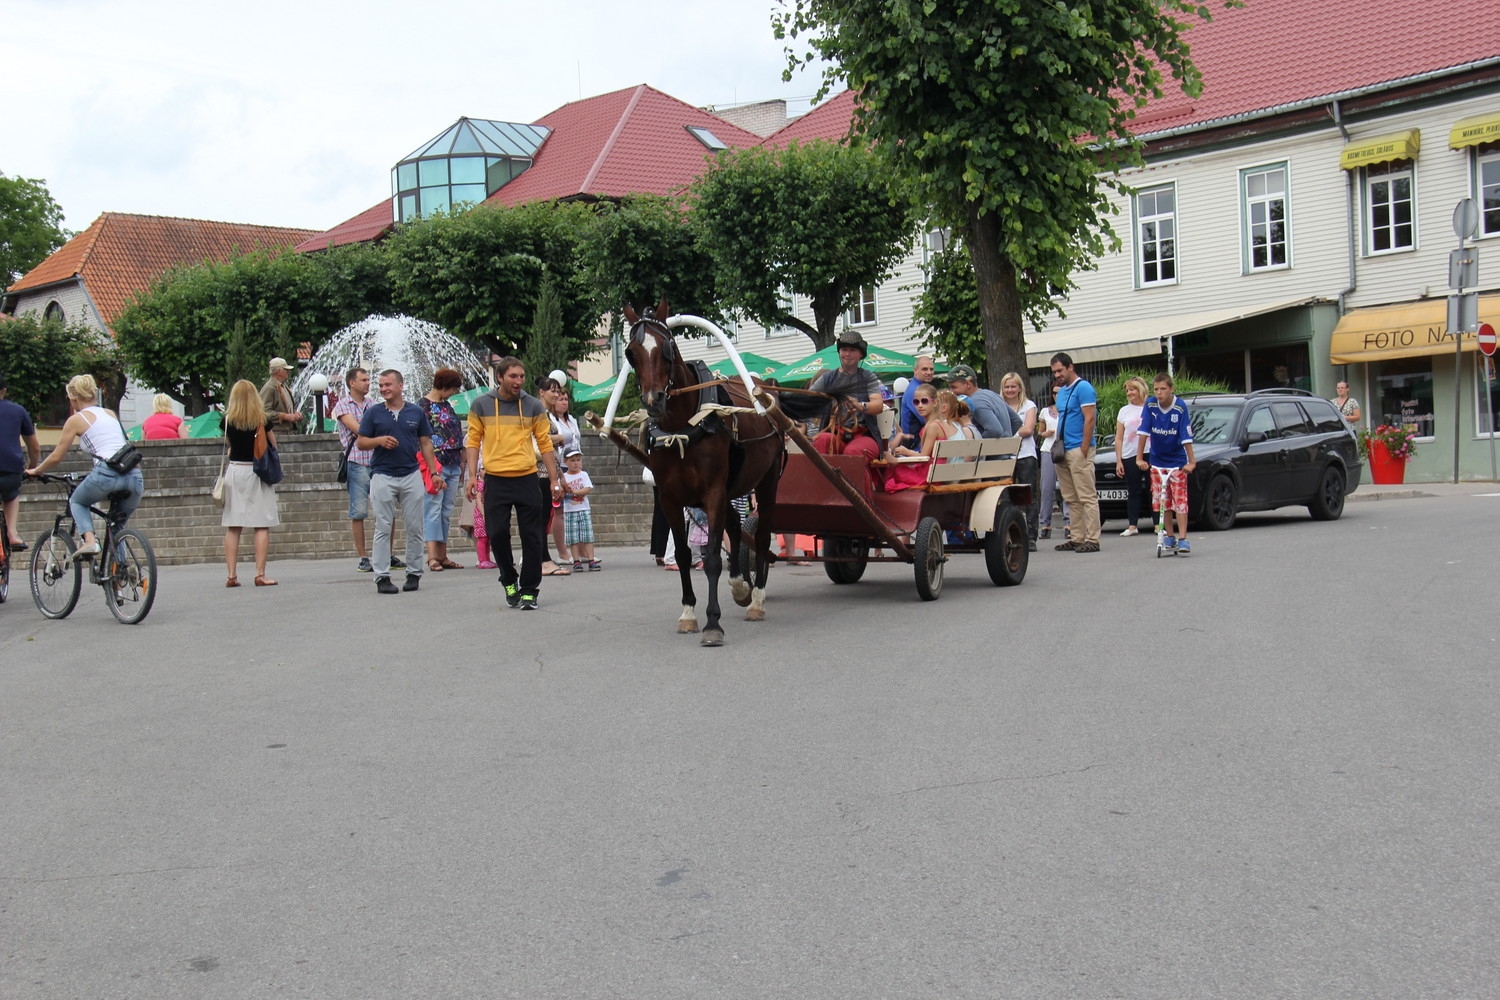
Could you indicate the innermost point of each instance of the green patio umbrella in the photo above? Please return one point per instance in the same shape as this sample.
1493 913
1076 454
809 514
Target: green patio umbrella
461 400
589 393
136 433
881 360
754 364
207 425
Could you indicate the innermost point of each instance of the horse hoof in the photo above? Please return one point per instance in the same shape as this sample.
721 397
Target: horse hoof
743 600
686 628
713 637
755 615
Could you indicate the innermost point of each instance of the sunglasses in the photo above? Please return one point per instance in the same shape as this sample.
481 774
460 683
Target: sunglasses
923 402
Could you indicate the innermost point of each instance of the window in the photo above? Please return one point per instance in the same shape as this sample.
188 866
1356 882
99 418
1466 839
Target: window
706 137
789 305
1156 235
862 312
1403 391
1390 207
55 311
1488 174
1487 391
1265 214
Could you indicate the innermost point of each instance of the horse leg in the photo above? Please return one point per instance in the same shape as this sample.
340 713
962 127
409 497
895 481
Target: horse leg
688 621
765 501
716 503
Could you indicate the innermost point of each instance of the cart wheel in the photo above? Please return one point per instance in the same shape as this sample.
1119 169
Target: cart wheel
1005 550
846 572
927 544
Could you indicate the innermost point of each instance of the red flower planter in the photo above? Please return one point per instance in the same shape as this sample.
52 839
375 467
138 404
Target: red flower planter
1384 468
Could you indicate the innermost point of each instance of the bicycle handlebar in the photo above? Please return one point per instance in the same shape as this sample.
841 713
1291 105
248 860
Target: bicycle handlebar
71 478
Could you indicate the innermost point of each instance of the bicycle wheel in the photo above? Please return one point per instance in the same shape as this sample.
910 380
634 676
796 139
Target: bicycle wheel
130 577
55 578
5 555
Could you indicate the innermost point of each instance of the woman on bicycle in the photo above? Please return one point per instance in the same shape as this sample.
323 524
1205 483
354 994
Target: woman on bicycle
100 433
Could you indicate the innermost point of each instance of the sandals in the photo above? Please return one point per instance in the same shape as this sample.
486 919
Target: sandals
434 566
261 581
450 564
233 581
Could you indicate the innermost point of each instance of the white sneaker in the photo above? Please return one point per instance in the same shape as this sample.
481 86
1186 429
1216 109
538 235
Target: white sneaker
87 551
1132 530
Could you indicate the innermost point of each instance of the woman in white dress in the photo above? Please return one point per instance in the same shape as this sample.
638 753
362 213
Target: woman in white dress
1028 466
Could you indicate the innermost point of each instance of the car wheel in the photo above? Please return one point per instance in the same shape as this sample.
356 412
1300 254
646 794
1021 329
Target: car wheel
1219 505
1328 504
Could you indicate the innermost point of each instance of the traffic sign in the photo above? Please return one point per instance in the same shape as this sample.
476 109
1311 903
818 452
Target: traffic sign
1487 339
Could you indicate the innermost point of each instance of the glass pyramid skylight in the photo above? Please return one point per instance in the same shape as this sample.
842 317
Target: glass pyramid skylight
467 163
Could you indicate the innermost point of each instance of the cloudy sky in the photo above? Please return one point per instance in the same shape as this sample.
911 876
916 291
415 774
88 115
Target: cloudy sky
292 112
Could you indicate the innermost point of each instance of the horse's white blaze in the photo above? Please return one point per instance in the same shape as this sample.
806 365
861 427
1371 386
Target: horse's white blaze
648 344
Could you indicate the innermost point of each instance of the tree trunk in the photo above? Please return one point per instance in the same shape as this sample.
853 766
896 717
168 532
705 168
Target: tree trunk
825 306
999 300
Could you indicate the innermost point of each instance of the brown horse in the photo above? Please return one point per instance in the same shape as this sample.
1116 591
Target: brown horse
705 464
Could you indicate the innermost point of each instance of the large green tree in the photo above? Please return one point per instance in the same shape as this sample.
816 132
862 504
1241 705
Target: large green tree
948 309
1010 117
477 273
819 219
643 249
41 355
30 226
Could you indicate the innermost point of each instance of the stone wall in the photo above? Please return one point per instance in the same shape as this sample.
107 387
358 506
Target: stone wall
180 518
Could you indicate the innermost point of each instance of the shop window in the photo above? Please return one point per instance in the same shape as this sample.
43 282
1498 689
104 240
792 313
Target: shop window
1390 207
862 312
1264 194
1487 395
1156 236
1488 174
1403 395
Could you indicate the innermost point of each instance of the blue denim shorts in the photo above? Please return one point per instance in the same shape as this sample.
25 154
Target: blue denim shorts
359 491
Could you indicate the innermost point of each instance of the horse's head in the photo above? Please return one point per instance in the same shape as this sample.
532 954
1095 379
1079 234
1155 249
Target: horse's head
653 355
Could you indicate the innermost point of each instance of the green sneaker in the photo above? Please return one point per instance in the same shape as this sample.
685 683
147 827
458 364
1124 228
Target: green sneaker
513 595
528 602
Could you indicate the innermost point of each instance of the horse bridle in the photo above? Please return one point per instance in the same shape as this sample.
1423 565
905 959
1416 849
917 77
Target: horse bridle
669 352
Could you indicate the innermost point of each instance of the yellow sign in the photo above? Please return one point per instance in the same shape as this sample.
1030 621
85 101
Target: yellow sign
1399 146
1409 330
1473 131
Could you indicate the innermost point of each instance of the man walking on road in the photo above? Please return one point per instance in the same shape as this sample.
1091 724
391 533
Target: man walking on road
508 430
1076 405
16 429
395 432
348 412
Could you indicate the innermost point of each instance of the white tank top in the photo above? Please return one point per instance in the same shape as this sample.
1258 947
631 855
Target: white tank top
104 436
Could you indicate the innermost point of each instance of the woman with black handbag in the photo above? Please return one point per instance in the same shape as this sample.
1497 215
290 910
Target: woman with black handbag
116 461
249 501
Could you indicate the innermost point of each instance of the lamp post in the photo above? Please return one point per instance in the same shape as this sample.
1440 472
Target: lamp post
318 383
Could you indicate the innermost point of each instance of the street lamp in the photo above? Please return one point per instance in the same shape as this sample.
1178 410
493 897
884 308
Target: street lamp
318 383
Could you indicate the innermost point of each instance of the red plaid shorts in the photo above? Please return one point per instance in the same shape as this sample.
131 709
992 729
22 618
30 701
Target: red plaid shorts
1169 490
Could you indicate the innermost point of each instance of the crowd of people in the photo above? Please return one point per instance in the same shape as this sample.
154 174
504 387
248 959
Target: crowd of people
518 456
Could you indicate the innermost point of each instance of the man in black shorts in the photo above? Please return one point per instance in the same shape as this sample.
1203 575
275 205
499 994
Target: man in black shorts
15 427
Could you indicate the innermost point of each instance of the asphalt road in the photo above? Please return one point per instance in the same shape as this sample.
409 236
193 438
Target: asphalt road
1267 769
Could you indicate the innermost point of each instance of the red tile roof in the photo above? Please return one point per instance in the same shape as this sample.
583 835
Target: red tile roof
371 224
122 254
1271 54
632 141
829 120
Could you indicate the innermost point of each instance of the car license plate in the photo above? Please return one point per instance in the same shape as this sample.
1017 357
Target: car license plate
1114 494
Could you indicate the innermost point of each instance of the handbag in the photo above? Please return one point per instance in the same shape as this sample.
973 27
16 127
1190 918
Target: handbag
218 490
267 464
124 460
343 474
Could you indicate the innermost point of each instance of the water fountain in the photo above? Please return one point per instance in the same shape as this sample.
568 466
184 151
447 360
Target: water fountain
414 347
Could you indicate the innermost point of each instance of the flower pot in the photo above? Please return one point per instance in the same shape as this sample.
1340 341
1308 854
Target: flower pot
1385 468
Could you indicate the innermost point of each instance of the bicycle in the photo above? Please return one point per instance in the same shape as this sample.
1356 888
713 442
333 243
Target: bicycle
5 555
125 566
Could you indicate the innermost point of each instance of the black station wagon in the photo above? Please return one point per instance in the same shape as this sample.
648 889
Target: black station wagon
1257 451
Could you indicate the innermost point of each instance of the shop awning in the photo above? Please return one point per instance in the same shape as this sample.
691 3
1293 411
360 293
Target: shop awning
1473 131
1407 330
1138 338
1381 149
